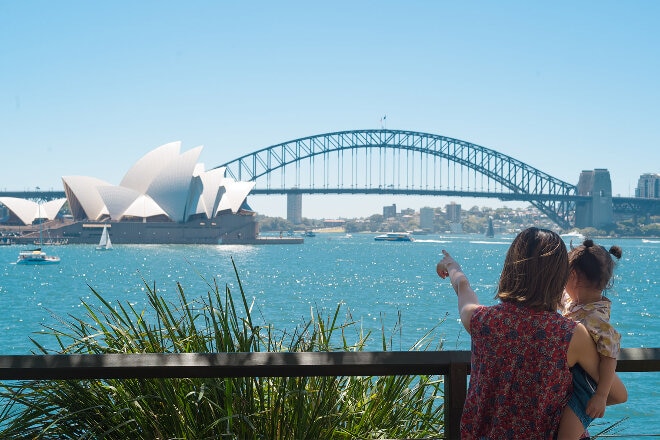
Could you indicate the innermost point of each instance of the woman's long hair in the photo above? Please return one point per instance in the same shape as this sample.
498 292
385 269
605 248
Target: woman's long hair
535 270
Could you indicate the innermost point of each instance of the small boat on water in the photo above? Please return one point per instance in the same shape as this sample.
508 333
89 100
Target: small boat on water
36 256
105 244
395 236
573 235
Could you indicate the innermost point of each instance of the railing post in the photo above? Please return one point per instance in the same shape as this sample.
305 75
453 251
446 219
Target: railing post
455 392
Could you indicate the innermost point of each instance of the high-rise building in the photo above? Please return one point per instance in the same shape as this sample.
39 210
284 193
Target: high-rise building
453 212
426 218
389 211
648 186
294 208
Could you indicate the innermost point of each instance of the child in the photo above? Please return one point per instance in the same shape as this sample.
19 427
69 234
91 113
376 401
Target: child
591 268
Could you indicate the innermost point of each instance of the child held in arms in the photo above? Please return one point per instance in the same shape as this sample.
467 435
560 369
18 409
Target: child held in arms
590 272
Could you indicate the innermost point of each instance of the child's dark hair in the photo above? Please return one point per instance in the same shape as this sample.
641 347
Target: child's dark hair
594 263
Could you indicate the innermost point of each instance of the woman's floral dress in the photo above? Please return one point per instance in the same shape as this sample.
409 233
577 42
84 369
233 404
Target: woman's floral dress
520 380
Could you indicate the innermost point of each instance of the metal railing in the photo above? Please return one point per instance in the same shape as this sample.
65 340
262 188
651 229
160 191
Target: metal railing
453 365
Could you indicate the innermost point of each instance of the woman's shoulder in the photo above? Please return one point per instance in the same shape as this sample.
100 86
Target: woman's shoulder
511 314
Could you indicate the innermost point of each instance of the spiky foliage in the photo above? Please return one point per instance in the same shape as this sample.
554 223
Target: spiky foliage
609 430
216 408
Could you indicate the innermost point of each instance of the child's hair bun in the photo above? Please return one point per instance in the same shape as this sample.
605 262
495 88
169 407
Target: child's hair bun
616 251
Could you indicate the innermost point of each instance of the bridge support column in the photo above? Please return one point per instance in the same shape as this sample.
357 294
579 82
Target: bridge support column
294 208
599 211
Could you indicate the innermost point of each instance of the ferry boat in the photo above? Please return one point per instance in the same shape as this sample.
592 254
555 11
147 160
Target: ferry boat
573 235
36 256
395 236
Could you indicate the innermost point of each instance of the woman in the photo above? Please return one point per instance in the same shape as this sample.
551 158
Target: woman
522 348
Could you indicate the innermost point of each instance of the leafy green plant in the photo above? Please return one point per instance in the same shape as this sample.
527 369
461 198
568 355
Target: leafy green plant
216 408
608 430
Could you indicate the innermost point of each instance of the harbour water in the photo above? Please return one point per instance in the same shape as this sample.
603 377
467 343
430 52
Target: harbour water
380 285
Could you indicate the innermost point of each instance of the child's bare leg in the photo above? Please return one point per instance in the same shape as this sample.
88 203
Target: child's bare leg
570 426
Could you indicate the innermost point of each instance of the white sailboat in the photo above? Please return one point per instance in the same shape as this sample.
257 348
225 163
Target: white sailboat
104 244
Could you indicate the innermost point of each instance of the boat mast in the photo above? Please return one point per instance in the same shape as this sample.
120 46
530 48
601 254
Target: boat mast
41 224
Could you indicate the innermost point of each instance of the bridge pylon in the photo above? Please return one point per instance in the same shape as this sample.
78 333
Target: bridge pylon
294 208
598 210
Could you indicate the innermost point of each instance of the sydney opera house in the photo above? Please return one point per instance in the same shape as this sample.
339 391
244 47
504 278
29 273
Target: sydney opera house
165 197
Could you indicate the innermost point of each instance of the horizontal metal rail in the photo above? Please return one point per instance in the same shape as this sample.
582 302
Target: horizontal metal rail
454 365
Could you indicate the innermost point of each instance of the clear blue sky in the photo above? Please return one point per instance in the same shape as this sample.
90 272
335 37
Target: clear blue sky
87 88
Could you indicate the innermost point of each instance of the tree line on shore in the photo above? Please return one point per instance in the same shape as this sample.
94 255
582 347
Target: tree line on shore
472 221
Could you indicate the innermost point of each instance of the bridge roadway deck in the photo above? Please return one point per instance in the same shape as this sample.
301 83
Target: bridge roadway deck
629 205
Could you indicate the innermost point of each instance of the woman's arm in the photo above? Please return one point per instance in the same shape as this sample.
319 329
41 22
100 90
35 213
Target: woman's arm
467 299
582 350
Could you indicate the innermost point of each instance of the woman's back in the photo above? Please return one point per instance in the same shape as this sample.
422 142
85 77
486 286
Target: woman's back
520 380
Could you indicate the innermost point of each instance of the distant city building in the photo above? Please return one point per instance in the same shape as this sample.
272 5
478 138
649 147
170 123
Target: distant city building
453 212
408 211
294 208
648 186
334 223
456 228
389 211
426 217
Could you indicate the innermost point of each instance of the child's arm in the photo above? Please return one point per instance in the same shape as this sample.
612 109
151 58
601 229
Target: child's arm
467 299
606 373
583 351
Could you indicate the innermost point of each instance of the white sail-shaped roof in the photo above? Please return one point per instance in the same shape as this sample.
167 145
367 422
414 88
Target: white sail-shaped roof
26 210
144 207
82 191
51 208
212 181
199 169
141 175
163 183
117 199
195 203
235 194
171 187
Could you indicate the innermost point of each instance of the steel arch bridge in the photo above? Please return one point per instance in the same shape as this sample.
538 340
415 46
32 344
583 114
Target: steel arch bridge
402 162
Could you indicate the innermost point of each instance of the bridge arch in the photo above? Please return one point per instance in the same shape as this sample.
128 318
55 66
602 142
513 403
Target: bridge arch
382 161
